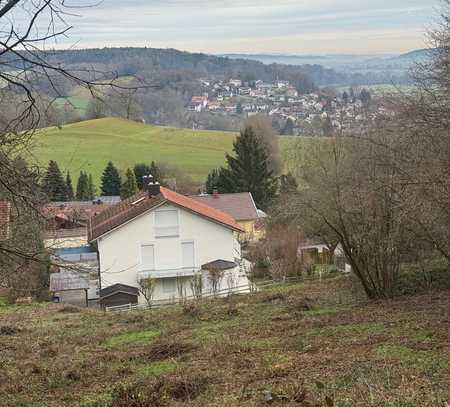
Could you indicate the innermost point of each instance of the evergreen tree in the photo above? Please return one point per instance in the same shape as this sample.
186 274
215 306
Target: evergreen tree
129 187
327 127
140 170
91 192
111 182
288 183
156 172
288 128
352 95
365 97
82 193
53 183
248 170
212 181
69 187
345 97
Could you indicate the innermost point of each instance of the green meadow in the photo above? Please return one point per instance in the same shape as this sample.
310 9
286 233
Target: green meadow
89 145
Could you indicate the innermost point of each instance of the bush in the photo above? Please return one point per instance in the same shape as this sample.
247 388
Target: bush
416 278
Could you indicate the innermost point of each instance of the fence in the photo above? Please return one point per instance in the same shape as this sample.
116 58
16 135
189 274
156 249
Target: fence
244 289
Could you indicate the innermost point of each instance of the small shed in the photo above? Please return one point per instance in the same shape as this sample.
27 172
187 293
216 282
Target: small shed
70 287
118 294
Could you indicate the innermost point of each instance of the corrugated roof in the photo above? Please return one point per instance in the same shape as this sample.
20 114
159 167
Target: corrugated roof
67 281
142 202
239 205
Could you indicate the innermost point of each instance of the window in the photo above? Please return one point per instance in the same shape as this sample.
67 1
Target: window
169 285
166 223
147 257
187 254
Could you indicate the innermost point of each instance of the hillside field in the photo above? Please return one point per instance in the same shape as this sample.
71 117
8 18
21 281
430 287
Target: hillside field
89 145
310 344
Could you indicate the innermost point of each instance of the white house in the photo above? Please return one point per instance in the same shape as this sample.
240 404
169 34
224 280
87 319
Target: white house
170 238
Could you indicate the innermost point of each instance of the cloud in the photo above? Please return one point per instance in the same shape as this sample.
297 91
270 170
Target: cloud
295 26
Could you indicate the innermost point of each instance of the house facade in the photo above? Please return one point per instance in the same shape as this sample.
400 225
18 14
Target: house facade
170 239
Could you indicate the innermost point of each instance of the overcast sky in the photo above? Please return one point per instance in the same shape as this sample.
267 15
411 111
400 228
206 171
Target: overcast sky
263 26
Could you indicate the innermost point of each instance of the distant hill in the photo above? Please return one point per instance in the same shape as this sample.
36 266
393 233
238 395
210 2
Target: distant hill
357 69
131 61
89 145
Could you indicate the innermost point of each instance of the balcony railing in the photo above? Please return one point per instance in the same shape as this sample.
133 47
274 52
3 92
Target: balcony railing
168 273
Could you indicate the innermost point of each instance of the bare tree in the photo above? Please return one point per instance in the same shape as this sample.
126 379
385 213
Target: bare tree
27 28
384 191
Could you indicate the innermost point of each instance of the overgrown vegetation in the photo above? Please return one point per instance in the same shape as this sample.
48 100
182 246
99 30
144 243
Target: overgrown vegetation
303 344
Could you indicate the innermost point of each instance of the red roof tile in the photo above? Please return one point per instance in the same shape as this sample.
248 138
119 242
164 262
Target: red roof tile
141 203
239 205
200 208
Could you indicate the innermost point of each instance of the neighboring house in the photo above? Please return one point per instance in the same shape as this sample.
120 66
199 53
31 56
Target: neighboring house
67 221
5 220
241 207
75 277
319 256
169 238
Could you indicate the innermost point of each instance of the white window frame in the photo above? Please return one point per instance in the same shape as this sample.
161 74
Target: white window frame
167 231
174 279
141 265
183 267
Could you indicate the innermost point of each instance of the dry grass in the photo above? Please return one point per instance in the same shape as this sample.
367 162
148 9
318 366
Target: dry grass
295 345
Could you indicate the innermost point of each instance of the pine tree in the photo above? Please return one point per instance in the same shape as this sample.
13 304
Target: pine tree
53 183
288 128
91 192
140 170
129 187
288 183
345 97
111 182
248 170
212 181
82 193
69 187
156 172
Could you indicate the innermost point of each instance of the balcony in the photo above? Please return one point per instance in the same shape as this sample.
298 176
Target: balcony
168 273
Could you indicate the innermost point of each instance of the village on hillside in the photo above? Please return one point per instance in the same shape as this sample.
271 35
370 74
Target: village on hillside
281 101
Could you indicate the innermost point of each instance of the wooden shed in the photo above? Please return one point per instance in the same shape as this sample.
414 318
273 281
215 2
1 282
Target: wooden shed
118 294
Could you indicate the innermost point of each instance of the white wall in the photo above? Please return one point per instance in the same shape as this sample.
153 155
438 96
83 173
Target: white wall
120 249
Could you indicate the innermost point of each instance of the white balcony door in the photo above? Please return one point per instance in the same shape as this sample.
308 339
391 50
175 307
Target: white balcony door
188 258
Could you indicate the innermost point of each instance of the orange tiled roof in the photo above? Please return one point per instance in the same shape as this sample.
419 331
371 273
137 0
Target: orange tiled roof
142 202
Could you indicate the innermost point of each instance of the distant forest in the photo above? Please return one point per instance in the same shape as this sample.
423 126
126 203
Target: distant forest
153 61
166 80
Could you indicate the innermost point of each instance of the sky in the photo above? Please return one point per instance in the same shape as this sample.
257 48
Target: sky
256 26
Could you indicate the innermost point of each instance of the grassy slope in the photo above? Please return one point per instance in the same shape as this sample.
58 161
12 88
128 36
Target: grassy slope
229 352
91 144
80 104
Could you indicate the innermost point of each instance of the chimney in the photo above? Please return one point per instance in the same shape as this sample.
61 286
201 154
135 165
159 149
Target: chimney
149 186
153 189
215 193
146 180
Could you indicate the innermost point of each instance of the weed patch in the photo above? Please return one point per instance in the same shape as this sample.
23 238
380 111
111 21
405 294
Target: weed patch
159 391
158 368
162 350
131 338
8 330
